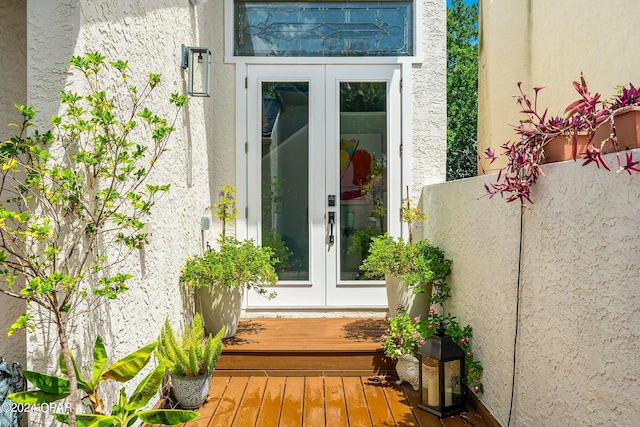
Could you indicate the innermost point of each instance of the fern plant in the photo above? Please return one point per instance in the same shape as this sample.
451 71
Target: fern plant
192 355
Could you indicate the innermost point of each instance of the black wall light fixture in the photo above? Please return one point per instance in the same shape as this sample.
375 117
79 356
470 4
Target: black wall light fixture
198 62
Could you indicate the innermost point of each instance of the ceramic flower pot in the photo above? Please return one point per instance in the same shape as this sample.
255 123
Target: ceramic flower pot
221 306
408 370
399 293
190 392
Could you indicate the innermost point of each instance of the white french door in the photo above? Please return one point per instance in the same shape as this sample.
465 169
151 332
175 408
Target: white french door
323 177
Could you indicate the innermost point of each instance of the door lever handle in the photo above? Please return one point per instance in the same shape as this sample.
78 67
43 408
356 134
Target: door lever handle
332 222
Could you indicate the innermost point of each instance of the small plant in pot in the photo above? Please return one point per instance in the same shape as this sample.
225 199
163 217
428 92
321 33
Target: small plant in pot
225 272
189 361
590 127
411 269
405 335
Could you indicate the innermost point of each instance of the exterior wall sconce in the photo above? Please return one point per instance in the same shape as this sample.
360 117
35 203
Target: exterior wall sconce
442 389
198 61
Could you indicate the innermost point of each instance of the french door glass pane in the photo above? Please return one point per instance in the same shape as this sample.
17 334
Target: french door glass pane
363 171
285 176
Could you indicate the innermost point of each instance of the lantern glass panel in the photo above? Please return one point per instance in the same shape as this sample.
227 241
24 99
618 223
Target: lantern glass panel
452 383
430 381
199 70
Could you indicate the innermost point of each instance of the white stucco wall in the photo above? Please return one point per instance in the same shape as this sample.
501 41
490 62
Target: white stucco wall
427 160
577 359
149 35
13 89
202 154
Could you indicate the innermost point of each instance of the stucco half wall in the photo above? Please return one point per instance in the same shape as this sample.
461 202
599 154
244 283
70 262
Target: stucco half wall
577 361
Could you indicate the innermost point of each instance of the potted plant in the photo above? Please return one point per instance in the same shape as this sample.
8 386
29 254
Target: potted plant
225 272
411 269
189 361
406 334
125 412
590 127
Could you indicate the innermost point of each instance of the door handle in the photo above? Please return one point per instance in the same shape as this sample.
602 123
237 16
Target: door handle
332 222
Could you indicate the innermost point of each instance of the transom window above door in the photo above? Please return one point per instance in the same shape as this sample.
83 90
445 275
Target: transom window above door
323 29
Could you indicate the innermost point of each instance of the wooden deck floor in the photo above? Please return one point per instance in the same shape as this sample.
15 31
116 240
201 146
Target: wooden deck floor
314 373
316 402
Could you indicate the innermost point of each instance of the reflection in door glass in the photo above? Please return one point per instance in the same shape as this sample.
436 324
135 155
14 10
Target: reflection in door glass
363 171
285 176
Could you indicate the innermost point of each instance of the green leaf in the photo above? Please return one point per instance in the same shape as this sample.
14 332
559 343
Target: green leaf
100 359
129 366
88 420
48 383
170 417
35 397
147 388
83 384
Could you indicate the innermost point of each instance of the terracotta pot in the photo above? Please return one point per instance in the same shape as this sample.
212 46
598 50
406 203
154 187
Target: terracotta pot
221 306
559 149
190 392
399 293
627 121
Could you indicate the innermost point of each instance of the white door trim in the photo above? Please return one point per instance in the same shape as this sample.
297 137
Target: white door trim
345 295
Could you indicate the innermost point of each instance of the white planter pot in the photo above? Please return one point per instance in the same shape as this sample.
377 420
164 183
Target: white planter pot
221 306
407 368
399 293
190 392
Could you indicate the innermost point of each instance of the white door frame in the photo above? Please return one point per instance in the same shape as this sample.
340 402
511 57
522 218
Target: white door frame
345 295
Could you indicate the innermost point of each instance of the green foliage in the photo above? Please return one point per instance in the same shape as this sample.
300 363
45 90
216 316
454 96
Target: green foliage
225 209
411 215
281 253
192 355
405 335
418 264
362 241
51 388
362 96
235 263
56 209
71 194
462 89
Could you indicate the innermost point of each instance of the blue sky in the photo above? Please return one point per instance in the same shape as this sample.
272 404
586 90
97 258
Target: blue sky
466 1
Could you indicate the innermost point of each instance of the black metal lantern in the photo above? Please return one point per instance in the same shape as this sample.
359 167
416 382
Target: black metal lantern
442 390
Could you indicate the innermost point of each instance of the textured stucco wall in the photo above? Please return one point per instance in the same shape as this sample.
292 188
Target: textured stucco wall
548 43
13 89
428 101
149 36
202 151
577 359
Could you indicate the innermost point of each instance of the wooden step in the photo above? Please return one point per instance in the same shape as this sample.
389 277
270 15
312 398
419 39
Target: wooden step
305 347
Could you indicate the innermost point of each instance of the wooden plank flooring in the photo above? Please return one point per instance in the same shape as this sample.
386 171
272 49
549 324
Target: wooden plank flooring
317 402
312 373
305 347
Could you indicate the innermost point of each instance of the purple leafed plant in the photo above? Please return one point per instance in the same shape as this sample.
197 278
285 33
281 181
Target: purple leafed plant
583 116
